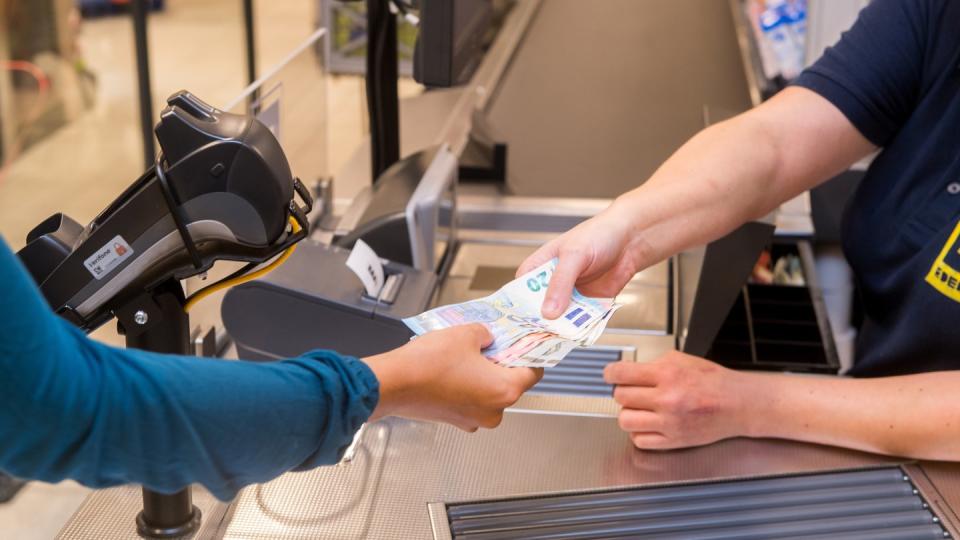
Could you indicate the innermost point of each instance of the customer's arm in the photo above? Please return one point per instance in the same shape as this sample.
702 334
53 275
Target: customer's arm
680 401
74 408
737 170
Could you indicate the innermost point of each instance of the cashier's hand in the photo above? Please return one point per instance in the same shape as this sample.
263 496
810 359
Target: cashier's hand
678 401
442 376
599 256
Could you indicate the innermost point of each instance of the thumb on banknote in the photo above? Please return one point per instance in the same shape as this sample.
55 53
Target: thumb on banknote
571 264
480 335
569 267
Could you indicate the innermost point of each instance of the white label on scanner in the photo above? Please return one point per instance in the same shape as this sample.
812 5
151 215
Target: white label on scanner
367 266
110 256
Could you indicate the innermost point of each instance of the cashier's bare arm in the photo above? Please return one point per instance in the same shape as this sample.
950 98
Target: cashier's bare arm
730 173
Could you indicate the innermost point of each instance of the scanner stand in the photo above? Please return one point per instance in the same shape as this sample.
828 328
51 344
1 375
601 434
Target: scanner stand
156 321
221 189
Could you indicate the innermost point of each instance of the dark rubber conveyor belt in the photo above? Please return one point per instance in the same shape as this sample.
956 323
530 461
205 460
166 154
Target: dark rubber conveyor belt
600 93
871 504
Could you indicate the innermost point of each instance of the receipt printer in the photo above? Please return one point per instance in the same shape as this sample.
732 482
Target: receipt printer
314 301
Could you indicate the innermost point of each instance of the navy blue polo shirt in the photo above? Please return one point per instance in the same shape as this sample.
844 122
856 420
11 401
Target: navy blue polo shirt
896 76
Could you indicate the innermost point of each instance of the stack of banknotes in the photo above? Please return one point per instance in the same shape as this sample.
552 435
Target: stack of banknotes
521 335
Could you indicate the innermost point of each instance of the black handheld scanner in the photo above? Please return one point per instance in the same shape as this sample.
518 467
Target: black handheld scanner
221 189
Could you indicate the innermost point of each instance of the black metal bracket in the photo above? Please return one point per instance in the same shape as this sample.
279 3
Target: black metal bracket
176 212
304 194
138 9
495 172
138 315
383 102
250 40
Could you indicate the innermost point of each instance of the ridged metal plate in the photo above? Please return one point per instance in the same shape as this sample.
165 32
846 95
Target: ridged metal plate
580 373
576 385
868 504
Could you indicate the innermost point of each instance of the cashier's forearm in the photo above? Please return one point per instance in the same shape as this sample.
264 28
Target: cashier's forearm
739 170
914 416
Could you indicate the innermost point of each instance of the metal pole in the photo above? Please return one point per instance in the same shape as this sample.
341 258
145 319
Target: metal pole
7 130
139 11
250 39
381 79
166 329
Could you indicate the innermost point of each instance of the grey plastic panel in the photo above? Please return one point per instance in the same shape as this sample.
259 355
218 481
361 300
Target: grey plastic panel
314 302
599 94
878 503
436 189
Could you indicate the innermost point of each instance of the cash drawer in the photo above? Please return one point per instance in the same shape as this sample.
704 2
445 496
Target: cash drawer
778 327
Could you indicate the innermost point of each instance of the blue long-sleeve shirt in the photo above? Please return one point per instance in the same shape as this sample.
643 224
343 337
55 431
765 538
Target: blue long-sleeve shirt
74 408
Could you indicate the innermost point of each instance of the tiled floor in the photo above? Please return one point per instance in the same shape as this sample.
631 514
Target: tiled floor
196 45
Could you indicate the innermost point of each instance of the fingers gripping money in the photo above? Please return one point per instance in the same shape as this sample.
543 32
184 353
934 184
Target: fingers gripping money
522 336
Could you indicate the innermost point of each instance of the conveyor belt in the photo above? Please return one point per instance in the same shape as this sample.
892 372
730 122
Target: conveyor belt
874 504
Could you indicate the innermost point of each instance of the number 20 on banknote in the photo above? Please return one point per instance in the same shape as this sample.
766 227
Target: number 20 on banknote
539 281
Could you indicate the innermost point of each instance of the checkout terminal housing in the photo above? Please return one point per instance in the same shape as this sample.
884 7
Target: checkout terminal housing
314 301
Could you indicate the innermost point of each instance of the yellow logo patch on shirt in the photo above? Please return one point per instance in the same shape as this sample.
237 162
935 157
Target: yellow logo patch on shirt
945 274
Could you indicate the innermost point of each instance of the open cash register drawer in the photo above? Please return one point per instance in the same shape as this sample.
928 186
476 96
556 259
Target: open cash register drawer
778 327
725 313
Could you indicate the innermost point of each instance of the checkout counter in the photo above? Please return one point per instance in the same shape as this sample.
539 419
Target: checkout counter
558 466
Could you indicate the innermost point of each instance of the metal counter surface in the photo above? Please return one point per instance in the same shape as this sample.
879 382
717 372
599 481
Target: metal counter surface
108 514
940 484
402 466
407 465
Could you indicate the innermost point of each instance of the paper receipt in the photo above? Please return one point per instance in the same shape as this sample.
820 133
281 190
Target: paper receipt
367 266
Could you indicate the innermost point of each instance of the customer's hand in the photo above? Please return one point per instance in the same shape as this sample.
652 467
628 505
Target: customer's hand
442 376
599 256
678 401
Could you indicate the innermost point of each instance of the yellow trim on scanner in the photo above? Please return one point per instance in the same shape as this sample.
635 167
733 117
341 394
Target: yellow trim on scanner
942 276
203 293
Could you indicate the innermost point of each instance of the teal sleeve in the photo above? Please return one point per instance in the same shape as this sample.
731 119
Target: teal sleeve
74 408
